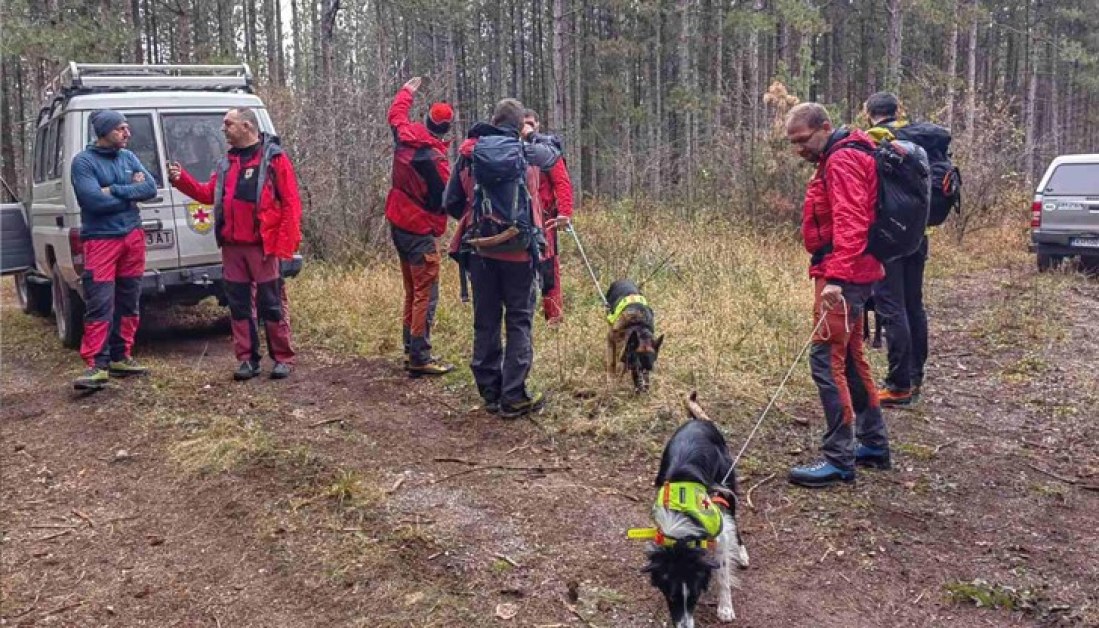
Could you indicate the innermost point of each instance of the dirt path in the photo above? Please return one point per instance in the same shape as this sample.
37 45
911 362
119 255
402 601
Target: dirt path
352 496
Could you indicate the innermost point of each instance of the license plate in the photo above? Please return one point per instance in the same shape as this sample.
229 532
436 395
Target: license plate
163 239
1066 207
1091 243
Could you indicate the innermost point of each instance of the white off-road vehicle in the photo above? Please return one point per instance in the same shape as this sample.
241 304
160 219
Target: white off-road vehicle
175 114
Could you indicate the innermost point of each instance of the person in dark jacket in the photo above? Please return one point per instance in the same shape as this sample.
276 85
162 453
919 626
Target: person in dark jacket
503 281
555 193
898 298
414 209
840 205
109 181
257 222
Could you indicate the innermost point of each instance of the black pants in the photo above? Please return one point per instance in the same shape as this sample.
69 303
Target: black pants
898 299
503 292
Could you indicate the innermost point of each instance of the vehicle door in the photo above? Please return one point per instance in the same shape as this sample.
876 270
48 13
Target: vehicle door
194 139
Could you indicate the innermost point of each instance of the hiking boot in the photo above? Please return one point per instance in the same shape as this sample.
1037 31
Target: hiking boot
280 371
873 457
434 367
820 475
527 406
492 407
408 361
246 370
127 367
93 378
892 398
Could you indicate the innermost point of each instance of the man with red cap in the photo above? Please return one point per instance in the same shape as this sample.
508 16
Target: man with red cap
414 209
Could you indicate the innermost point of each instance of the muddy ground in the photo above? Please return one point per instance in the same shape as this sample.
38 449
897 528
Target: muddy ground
350 495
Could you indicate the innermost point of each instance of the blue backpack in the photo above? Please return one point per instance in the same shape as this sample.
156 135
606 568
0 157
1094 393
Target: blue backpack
503 220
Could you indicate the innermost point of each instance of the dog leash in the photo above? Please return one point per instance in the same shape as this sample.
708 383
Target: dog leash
587 263
789 372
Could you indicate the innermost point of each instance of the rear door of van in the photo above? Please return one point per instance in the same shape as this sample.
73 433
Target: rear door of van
193 137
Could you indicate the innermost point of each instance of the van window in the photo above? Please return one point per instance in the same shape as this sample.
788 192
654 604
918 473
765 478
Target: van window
1074 180
194 140
49 163
142 142
59 150
40 155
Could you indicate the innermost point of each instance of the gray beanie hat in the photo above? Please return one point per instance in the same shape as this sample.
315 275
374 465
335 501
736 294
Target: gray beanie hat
106 120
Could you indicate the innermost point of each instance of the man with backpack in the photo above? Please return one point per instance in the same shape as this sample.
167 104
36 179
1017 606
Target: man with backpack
555 193
898 298
837 228
414 209
500 242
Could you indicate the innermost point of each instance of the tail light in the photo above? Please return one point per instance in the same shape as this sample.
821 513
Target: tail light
1036 213
76 247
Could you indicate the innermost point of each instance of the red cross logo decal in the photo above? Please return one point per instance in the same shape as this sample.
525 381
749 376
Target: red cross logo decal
202 216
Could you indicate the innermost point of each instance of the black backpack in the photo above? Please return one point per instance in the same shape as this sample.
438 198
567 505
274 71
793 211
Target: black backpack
904 198
503 220
946 179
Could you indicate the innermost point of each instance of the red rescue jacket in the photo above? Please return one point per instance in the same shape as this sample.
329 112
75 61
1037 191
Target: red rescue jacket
253 204
840 205
420 173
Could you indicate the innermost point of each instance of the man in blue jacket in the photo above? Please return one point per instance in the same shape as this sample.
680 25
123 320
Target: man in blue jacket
109 181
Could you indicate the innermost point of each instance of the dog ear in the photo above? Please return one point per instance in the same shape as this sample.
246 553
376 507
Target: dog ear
656 343
633 340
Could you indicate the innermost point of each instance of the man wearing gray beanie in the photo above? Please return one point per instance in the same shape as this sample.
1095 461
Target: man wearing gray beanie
109 181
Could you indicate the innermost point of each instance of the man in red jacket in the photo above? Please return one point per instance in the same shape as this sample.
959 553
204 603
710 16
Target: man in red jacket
840 205
414 209
555 192
257 222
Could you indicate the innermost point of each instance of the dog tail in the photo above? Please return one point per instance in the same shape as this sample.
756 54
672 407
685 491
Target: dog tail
694 410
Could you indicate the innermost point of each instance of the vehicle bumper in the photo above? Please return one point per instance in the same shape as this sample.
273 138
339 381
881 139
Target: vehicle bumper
200 277
1060 243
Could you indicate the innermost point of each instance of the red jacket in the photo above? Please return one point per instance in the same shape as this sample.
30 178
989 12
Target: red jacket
464 198
253 209
420 173
555 193
840 204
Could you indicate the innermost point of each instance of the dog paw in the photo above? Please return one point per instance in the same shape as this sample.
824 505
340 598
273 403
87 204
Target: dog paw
741 557
726 613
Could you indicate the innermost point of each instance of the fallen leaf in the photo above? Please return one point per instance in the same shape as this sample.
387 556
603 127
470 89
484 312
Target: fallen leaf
413 598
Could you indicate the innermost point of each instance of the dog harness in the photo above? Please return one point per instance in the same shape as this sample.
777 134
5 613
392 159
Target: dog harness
623 303
693 500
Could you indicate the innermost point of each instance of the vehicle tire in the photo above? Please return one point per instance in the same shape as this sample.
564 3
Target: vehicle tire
34 298
1049 262
1089 264
68 310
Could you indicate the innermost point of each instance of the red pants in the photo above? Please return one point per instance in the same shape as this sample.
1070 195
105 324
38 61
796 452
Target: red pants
255 290
552 305
112 293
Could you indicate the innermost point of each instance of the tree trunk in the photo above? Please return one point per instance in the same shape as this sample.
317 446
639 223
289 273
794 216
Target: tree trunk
895 8
952 67
971 77
280 56
135 21
272 39
755 93
7 130
328 35
1029 109
560 87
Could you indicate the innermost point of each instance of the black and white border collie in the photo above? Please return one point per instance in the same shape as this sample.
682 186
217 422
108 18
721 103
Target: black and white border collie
687 547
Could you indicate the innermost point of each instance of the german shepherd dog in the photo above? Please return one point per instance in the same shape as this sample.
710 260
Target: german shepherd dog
630 341
695 515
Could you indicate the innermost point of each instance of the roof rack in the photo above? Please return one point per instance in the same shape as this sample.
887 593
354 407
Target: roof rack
85 78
